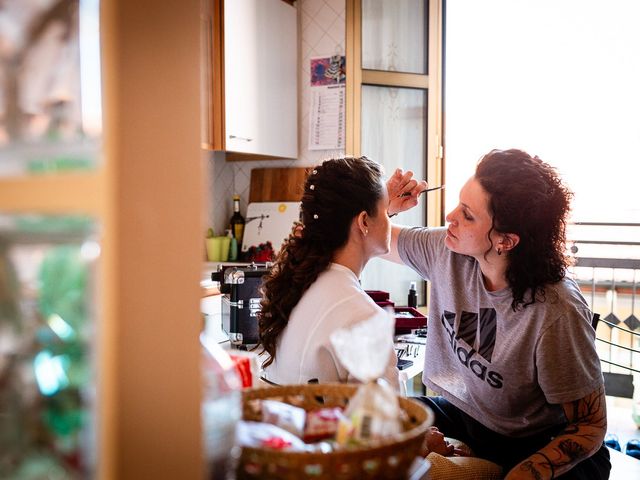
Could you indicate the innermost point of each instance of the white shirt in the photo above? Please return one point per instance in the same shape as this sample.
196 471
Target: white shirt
304 351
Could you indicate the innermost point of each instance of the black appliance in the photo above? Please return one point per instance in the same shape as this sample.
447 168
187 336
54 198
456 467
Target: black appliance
240 286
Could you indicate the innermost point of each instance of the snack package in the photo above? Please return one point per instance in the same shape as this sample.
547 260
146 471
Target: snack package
265 435
246 364
285 416
374 411
322 424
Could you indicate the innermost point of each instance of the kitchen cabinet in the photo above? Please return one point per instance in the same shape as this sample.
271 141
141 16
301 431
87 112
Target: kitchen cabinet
250 78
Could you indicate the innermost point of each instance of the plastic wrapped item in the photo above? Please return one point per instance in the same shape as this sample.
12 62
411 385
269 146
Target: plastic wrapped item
285 416
247 366
374 411
221 410
322 424
258 434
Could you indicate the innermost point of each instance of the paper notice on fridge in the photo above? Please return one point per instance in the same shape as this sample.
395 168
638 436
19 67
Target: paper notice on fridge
327 118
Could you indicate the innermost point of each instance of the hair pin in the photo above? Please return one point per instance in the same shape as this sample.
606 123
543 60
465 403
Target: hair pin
315 216
314 172
312 187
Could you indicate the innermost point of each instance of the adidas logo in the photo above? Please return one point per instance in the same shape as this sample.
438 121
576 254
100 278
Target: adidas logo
478 333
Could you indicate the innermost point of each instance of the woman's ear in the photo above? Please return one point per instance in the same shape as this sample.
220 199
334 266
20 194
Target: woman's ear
509 241
362 222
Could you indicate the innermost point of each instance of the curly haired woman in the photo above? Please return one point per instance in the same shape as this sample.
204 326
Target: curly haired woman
313 288
510 347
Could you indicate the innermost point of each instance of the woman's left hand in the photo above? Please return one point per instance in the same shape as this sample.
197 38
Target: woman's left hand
403 191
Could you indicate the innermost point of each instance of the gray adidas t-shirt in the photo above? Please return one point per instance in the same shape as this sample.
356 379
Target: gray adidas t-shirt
509 370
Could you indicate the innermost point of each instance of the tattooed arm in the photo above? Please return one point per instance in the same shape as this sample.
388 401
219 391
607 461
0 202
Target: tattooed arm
587 425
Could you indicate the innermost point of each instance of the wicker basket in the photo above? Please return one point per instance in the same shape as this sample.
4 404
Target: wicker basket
387 458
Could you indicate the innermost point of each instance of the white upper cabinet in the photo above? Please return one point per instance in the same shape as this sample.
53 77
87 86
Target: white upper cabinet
259 95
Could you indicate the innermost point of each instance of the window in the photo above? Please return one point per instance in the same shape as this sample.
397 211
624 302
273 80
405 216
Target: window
556 79
559 80
392 108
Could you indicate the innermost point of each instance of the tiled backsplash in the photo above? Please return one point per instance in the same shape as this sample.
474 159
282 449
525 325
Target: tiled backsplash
225 179
321 32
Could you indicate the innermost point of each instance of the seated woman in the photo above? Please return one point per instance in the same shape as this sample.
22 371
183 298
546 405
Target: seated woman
313 288
512 352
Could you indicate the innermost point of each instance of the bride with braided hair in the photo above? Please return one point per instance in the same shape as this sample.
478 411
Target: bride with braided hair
313 288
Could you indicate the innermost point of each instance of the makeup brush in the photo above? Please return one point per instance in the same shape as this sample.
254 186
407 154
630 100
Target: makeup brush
406 194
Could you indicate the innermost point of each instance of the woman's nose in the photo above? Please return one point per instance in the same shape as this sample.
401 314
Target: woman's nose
449 218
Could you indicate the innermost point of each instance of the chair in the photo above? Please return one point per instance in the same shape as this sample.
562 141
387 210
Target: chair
616 384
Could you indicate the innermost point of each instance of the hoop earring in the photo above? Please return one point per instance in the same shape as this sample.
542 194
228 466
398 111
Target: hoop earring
499 251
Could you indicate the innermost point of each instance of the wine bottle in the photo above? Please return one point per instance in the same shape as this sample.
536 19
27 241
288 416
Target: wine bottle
237 221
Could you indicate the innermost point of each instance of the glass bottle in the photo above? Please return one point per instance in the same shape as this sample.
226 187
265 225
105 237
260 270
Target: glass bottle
237 221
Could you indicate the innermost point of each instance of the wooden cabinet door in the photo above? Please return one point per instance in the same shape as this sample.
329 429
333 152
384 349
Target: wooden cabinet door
260 78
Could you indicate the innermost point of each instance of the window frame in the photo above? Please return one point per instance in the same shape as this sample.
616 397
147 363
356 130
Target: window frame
432 82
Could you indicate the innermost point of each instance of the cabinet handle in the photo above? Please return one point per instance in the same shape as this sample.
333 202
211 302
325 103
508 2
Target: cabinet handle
241 138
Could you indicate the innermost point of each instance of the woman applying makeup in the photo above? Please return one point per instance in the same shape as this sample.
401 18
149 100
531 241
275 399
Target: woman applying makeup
510 348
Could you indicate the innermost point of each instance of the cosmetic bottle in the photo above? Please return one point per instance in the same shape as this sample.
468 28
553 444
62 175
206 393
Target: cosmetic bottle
412 298
233 247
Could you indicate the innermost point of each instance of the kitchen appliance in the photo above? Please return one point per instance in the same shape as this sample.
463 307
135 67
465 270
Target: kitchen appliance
240 286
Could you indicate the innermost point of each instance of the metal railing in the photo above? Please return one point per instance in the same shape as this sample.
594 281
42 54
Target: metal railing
607 271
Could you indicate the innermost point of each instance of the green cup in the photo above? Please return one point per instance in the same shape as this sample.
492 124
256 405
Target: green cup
214 249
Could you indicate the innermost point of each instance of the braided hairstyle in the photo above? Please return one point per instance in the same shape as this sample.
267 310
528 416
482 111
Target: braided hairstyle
527 197
334 194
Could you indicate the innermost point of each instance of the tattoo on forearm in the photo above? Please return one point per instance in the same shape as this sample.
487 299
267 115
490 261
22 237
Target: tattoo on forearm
572 449
529 466
587 422
548 464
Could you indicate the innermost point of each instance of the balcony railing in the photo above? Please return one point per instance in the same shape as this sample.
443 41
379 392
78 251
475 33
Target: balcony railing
607 262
